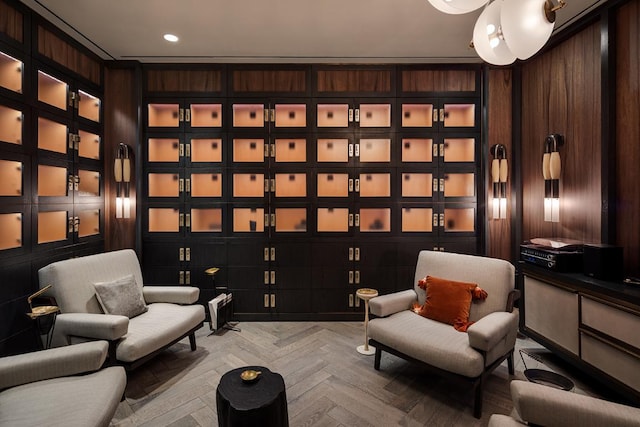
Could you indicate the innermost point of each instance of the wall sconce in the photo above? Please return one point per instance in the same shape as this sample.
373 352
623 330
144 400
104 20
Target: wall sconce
122 174
499 173
551 168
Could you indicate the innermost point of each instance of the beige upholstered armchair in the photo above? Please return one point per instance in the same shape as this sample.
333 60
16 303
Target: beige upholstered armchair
536 404
60 387
443 348
102 297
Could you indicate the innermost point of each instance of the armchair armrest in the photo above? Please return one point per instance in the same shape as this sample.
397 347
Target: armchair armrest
491 329
171 294
52 363
547 406
90 325
385 305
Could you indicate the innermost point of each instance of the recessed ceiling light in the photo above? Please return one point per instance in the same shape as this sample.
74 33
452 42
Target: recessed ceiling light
171 38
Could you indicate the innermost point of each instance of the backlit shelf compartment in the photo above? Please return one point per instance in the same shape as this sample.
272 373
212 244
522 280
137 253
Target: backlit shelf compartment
248 220
291 150
417 185
53 181
89 223
248 150
291 220
333 185
375 150
417 115
206 220
10 125
206 150
459 185
164 115
291 115
459 150
375 115
164 185
248 115
291 185
10 230
10 178
52 136
52 91
459 220
333 220
164 150
375 185
52 226
164 220
206 115
88 183
375 220
248 185
332 115
459 115
417 220
332 150
10 73
417 150
89 147
89 106
206 185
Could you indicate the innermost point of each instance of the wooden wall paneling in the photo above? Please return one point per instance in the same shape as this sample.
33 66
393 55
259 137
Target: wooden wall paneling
120 125
11 22
499 132
438 80
195 80
355 81
67 55
628 134
561 94
261 81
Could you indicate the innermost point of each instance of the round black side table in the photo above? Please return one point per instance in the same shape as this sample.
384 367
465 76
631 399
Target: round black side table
261 402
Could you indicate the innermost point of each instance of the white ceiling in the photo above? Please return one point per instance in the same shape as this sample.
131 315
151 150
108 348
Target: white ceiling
278 31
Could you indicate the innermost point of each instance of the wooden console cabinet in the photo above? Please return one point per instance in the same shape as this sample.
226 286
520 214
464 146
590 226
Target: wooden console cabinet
591 323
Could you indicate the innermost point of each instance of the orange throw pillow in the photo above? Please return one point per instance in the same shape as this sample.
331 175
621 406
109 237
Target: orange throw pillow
449 301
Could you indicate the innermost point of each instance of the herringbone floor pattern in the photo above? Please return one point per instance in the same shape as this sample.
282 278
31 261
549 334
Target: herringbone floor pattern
327 382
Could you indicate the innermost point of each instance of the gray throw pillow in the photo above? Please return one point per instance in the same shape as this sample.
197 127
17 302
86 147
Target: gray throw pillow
121 296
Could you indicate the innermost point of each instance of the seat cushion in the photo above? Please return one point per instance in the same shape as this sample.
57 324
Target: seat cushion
77 401
162 324
432 342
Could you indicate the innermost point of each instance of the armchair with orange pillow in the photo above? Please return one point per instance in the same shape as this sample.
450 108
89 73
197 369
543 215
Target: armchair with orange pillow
458 320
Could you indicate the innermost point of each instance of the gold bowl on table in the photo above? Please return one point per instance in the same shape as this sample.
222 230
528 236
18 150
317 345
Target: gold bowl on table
250 375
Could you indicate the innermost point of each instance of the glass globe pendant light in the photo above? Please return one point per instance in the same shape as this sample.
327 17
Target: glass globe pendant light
457 7
488 39
527 24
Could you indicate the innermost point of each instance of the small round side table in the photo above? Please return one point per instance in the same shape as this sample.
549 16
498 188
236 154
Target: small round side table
366 294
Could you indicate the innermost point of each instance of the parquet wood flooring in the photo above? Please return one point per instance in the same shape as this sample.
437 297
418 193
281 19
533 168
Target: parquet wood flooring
328 383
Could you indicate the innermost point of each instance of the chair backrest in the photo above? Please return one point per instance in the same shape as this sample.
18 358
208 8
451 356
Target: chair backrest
73 279
496 276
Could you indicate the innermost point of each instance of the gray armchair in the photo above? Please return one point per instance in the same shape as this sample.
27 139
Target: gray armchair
536 404
470 356
158 316
60 387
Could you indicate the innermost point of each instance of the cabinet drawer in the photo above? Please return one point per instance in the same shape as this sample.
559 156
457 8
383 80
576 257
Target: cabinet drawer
619 364
552 312
617 323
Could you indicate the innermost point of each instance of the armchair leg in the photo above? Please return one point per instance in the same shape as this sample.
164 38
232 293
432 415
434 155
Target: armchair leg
192 341
477 398
111 354
510 363
377 357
